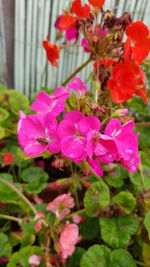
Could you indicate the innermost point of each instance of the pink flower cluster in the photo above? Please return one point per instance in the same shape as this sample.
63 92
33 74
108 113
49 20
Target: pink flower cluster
77 136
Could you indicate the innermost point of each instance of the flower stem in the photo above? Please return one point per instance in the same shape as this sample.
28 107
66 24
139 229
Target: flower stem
76 71
76 212
142 176
10 185
11 218
141 263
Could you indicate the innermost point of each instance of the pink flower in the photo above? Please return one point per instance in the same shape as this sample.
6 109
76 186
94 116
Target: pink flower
75 124
35 260
38 134
77 219
85 45
68 239
78 85
102 146
71 34
2 259
61 205
126 142
53 103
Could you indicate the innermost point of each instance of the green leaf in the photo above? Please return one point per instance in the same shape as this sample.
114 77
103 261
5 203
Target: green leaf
147 223
22 256
145 252
102 256
89 223
74 260
2 132
96 255
4 114
117 176
96 197
122 258
117 232
144 140
36 178
17 101
136 178
6 193
126 201
5 247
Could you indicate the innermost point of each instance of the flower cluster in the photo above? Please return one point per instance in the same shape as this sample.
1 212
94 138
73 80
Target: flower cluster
77 136
116 62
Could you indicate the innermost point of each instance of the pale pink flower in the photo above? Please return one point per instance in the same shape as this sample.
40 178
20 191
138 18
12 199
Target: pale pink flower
61 205
68 239
38 226
78 85
77 219
35 260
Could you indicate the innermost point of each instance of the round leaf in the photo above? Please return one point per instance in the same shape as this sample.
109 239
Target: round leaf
17 101
136 178
3 114
116 232
36 178
96 255
126 201
5 247
22 256
117 177
6 193
122 258
96 197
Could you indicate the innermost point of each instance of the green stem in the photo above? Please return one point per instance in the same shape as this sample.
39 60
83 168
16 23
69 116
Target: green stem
75 213
77 199
11 218
19 194
76 71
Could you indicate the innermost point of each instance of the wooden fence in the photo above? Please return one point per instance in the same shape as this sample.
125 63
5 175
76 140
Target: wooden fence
23 26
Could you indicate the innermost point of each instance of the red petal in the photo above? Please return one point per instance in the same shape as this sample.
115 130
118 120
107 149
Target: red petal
67 22
52 52
97 3
137 31
79 10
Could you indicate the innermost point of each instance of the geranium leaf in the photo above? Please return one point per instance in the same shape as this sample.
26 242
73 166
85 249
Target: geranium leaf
126 201
147 223
96 197
5 247
116 232
122 258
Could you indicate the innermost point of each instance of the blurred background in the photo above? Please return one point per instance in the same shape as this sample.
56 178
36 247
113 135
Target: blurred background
24 24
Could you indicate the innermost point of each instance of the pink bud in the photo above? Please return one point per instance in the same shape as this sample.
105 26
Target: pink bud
77 218
35 260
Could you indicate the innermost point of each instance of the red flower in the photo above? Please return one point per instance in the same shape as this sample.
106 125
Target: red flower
82 12
138 42
107 62
97 3
67 22
52 52
127 79
7 158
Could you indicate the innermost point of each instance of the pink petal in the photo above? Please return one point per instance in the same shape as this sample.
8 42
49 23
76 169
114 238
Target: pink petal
66 128
73 146
33 148
96 167
112 127
88 124
74 116
41 103
71 34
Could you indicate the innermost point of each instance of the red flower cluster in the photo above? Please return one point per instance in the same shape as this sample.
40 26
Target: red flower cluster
82 12
97 3
52 52
127 79
137 45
